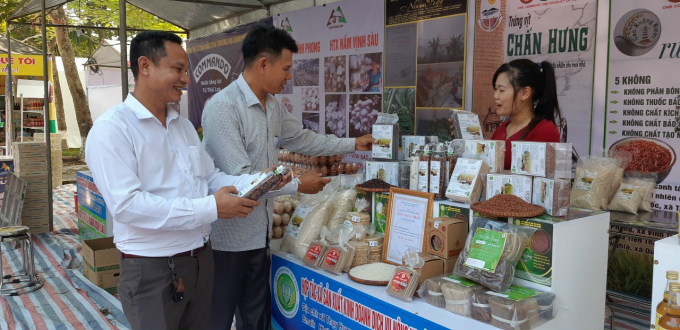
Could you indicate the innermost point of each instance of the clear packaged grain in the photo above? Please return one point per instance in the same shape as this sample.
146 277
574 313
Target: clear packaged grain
451 292
630 194
593 177
492 252
548 160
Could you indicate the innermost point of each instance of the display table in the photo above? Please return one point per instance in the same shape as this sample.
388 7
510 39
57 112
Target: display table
302 295
666 257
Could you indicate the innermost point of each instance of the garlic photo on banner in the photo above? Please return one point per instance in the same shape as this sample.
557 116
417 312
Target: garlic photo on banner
335 74
310 99
336 115
363 112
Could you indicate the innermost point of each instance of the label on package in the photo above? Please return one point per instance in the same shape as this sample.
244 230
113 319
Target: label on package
465 175
423 176
384 134
459 280
400 281
484 150
528 158
386 171
625 192
486 249
585 180
409 142
296 221
518 185
469 126
515 292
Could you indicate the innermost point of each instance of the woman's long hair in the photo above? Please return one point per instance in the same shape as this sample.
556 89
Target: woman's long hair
540 77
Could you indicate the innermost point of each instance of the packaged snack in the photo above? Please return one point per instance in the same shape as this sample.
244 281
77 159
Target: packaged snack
424 169
553 195
548 160
339 256
593 177
518 308
385 171
517 185
492 152
449 291
386 131
454 150
316 251
480 309
410 142
405 280
466 185
437 172
492 252
264 183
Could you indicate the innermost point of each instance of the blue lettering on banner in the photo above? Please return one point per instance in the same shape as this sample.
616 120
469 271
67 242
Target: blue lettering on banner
304 299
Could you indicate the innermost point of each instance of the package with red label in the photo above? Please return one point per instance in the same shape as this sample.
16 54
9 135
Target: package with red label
338 257
406 279
316 251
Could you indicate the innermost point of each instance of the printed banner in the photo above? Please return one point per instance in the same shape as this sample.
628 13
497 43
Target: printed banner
559 31
425 49
214 62
305 299
337 72
22 65
643 94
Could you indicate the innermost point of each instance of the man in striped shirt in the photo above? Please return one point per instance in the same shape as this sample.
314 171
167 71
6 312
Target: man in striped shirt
243 128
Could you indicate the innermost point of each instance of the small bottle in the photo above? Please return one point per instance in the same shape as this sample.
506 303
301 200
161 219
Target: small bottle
263 184
671 319
671 277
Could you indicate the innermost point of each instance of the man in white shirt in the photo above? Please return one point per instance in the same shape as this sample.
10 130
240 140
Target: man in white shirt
157 180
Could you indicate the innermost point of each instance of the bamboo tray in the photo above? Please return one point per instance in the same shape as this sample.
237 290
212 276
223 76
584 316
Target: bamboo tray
367 282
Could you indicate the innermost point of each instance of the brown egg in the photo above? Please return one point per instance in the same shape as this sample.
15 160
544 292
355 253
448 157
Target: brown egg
277 232
285 219
277 220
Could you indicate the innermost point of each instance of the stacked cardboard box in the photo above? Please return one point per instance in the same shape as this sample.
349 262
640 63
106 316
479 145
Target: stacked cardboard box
101 263
56 156
30 164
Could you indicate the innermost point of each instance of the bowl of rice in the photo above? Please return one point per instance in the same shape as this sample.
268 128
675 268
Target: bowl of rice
648 156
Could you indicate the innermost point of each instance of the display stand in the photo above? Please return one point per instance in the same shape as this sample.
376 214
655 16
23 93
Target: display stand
579 266
666 257
30 89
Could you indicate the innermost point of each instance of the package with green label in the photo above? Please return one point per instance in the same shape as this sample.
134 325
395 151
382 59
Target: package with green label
492 252
449 291
518 308
386 132
386 171
410 142
465 185
492 152
518 185
630 194
549 160
593 177
536 262
553 195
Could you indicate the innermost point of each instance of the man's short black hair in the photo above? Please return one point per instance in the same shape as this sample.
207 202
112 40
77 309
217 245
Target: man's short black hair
266 39
151 45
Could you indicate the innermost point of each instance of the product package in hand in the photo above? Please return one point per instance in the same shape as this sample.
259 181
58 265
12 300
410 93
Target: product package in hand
466 125
264 183
491 253
386 132
405 280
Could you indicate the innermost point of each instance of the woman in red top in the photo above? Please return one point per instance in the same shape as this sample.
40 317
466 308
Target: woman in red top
526 91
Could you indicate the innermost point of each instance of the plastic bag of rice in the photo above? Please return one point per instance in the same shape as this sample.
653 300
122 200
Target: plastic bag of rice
630 195
593 177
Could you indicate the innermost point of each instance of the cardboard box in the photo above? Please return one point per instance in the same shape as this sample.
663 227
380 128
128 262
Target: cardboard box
433 267
449 264
101 263
445 237
38 228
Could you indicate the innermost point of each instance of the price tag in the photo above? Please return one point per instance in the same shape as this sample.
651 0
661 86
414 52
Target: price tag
372 243
356 219
436 224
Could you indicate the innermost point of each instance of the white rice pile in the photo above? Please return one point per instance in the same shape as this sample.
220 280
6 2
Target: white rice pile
380 272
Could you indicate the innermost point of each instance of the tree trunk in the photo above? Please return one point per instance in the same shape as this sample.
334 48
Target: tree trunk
58 100
72 78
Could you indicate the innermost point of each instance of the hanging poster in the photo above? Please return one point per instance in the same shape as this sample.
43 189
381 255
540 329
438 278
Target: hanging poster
425 44
214 62
559 31
643 99
337 72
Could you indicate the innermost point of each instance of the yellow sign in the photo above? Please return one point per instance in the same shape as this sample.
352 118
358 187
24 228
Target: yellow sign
22 65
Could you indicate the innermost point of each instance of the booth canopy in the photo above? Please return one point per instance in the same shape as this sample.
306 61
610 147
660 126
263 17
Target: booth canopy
18 47
107 55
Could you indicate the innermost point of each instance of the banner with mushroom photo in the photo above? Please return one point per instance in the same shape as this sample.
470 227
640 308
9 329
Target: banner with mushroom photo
337 85
425 44
643 93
